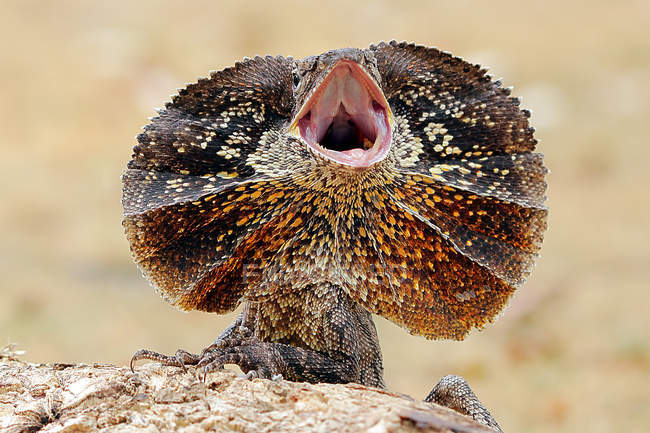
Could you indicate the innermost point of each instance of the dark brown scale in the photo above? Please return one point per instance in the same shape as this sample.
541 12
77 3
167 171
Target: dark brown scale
224 203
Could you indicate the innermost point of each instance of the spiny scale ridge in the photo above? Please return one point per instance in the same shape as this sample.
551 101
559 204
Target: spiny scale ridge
222 204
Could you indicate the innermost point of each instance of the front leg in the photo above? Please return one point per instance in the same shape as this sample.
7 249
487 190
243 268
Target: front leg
337 359
260 359
454 392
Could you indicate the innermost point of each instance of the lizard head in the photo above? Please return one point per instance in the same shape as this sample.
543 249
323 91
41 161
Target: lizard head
341 112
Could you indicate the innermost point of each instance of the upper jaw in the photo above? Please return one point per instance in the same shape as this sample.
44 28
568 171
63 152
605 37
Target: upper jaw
347 118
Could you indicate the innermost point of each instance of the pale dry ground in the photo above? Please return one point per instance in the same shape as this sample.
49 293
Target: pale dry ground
78 80
69 398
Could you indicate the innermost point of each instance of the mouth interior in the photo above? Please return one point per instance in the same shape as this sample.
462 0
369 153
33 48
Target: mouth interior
343 132
344 118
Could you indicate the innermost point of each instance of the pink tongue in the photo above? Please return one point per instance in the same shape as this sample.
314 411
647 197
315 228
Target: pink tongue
354 153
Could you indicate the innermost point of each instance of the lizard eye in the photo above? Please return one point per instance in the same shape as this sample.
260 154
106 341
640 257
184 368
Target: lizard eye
296 79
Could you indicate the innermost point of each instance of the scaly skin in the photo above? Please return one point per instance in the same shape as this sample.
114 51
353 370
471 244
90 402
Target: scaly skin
225 202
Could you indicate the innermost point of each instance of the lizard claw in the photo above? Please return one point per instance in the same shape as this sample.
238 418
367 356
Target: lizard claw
155 356
243 337
180 359
252 357
211 358
184 358
251 375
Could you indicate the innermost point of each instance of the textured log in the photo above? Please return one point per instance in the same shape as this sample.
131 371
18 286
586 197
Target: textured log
88 398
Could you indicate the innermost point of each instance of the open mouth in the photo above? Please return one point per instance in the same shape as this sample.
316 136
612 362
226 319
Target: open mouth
347 118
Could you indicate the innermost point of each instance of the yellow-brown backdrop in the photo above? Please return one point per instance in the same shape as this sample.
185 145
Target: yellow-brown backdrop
78 79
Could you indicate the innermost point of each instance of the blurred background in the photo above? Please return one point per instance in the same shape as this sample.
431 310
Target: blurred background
79 79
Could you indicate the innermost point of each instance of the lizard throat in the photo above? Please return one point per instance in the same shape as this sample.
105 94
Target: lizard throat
347 118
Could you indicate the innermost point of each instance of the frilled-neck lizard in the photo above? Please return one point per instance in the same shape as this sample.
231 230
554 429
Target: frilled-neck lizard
396 180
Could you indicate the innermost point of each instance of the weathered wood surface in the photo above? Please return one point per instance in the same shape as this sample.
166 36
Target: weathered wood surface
90 398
